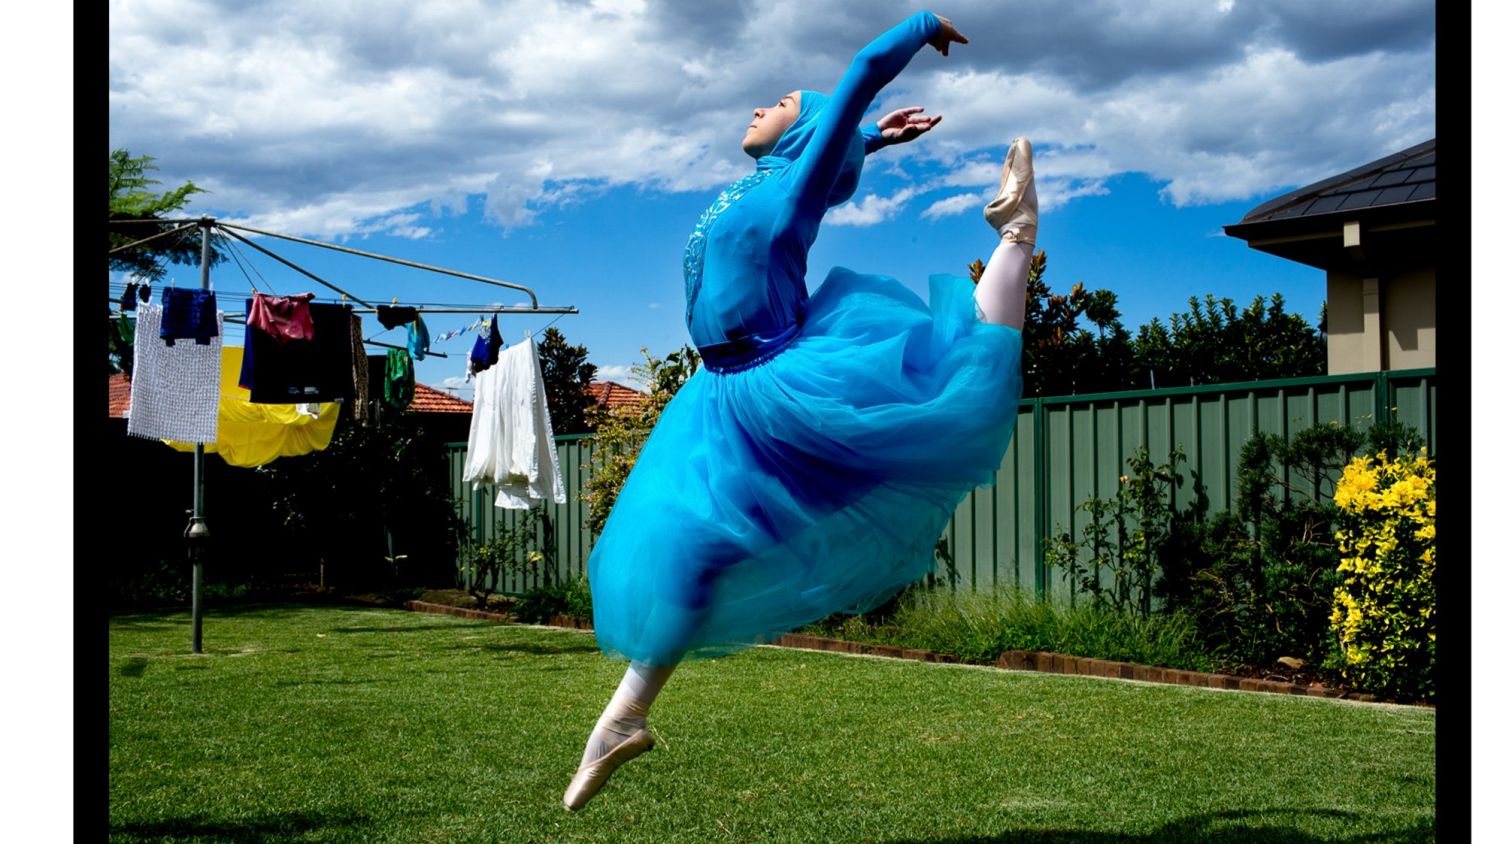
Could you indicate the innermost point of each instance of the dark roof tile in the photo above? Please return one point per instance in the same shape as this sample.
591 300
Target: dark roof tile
1425 190
1394 177
1391 196
1326 204
1360 200
1357 185
1423 174
1424 161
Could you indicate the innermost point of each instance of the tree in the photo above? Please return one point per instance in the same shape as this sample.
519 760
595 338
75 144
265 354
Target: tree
619 436
1214 342
1059 355
130 200
566 373
1217 343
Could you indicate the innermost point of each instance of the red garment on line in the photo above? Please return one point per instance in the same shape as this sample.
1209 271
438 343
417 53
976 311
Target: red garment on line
283 317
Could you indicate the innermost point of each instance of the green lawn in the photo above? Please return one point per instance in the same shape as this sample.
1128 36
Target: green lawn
344 724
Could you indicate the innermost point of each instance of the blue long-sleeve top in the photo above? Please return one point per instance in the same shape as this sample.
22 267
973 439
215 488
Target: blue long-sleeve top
746 262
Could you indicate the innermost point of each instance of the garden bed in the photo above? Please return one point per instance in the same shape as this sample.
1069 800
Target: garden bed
460 603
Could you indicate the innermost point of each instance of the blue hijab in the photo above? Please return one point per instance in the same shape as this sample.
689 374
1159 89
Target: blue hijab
796 138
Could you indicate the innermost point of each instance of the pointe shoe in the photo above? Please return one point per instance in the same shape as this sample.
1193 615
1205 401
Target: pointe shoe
592 777
1013 211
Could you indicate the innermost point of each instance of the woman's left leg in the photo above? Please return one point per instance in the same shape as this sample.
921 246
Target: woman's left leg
1001 292
620 733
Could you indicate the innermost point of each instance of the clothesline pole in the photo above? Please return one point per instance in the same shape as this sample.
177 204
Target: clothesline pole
403 262
197 531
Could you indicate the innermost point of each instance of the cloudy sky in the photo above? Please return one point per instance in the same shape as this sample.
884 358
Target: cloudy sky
570 145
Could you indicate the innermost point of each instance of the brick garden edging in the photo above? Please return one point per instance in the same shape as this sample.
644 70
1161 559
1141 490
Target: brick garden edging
1012 660
556 621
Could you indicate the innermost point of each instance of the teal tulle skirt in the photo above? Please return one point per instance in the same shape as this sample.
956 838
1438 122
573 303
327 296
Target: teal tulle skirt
815 482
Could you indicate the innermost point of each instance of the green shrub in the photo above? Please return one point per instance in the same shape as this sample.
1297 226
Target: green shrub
1125 536
541 603
509 551
979 626
1384 609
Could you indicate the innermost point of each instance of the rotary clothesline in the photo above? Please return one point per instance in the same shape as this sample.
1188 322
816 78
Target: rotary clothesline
197 532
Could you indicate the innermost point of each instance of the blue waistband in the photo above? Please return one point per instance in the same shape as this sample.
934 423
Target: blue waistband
738 355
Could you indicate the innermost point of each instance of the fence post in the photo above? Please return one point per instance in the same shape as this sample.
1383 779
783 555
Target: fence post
1382 397
1041 457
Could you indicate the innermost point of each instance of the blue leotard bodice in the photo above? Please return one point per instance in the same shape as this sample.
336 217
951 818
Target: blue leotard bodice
745 264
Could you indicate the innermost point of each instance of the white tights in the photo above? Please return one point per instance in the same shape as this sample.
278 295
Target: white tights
626 711
1001 292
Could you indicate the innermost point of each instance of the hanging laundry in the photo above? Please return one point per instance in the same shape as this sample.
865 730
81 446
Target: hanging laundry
125 328
510 433
189 313
492 353
282 318
145 295
174 390
127 301
400 380
417 341
361 367
393 316
255 434
320 369
485 351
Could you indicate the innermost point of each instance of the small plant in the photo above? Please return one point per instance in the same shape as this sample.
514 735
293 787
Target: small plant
570 598
1384 607
1125 536
509 551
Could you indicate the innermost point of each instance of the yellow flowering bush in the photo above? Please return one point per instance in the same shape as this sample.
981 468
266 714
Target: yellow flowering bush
1384 610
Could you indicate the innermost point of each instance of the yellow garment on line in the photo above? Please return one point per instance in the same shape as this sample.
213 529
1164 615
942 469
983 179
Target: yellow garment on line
255 434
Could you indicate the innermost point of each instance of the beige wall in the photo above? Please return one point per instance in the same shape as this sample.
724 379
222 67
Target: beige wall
1410 320
1387 323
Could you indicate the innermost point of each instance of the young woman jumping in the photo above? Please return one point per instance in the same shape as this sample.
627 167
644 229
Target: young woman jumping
810 465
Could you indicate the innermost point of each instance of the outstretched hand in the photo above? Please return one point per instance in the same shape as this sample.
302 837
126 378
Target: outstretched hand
946 36
905 124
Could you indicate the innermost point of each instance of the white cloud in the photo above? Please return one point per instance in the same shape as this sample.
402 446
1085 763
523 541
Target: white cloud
618 373
870 210
341 119
952 205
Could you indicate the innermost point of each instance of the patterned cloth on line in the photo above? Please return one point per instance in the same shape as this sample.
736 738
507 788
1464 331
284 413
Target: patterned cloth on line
174 390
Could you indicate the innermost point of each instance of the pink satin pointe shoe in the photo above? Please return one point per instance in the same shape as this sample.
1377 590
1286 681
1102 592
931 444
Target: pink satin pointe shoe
592 776
1013 211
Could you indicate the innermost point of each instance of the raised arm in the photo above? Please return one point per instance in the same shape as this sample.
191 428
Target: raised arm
872 69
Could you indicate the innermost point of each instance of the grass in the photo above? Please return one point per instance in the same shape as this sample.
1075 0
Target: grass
370 725
978 626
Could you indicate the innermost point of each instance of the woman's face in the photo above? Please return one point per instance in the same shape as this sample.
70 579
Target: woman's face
769 123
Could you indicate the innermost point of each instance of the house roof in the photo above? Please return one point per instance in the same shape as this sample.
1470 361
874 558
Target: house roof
617 396
1407 176
1379 218
425 399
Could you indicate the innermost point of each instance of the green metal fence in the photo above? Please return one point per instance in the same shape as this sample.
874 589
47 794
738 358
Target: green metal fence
1065 450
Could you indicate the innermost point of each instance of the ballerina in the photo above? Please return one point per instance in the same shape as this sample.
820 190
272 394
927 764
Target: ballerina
810 465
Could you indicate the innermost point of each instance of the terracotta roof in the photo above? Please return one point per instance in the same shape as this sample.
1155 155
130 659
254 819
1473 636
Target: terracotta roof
119 395
425 399
617 396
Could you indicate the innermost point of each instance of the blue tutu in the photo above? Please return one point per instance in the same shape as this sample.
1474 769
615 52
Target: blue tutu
813 482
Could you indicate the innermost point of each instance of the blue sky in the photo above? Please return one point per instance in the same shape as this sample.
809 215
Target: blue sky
570 146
